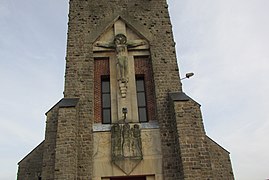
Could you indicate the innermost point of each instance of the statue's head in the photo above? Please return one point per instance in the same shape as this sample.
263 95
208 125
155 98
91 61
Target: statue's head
120 39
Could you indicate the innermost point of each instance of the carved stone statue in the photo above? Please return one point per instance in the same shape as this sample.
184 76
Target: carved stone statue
121 45
122 58
126 146
136 141
126 140
116 141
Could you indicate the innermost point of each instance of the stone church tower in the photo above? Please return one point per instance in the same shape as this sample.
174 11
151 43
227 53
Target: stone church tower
124 115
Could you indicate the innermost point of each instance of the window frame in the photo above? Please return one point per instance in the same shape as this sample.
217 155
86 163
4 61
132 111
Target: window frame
141 77
105 78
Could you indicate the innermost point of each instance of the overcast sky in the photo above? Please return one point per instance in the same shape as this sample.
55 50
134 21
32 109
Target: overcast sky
224 42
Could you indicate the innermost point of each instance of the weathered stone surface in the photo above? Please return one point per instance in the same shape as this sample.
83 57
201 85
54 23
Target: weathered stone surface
30 167
220 161
126 146
66 144
174 142
201 158
152 155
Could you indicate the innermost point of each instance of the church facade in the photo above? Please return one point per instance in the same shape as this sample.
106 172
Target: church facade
124 114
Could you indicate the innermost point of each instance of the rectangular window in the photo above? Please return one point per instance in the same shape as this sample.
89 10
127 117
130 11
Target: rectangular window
106 104
141 99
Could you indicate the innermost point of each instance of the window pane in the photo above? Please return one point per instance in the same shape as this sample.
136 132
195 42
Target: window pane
142 114
106 100
140 85
141 99
105 87
106 116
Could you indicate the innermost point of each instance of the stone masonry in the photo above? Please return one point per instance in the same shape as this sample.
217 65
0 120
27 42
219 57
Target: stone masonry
179 147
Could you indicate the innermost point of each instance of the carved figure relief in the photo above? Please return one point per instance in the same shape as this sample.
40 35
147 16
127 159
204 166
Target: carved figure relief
120 42
126 141
136 142
121 45
116 140
126 146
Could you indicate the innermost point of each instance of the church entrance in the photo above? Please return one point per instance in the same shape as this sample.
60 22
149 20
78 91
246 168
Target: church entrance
129 178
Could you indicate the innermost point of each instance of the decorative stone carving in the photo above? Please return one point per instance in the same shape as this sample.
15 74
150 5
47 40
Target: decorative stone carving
121 45
136 143
126 146
120 42
116 139
123 88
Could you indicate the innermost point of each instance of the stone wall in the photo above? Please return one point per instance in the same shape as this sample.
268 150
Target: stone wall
59 139
201 157
69 147
50 143
87 20
30 167
220 161
66 144
191 135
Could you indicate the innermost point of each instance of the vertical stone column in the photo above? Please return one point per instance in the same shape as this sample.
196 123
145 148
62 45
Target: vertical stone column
193 147
221 162
66 144
49 144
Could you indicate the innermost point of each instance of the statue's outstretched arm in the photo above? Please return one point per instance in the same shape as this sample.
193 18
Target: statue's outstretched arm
104 44
136 43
